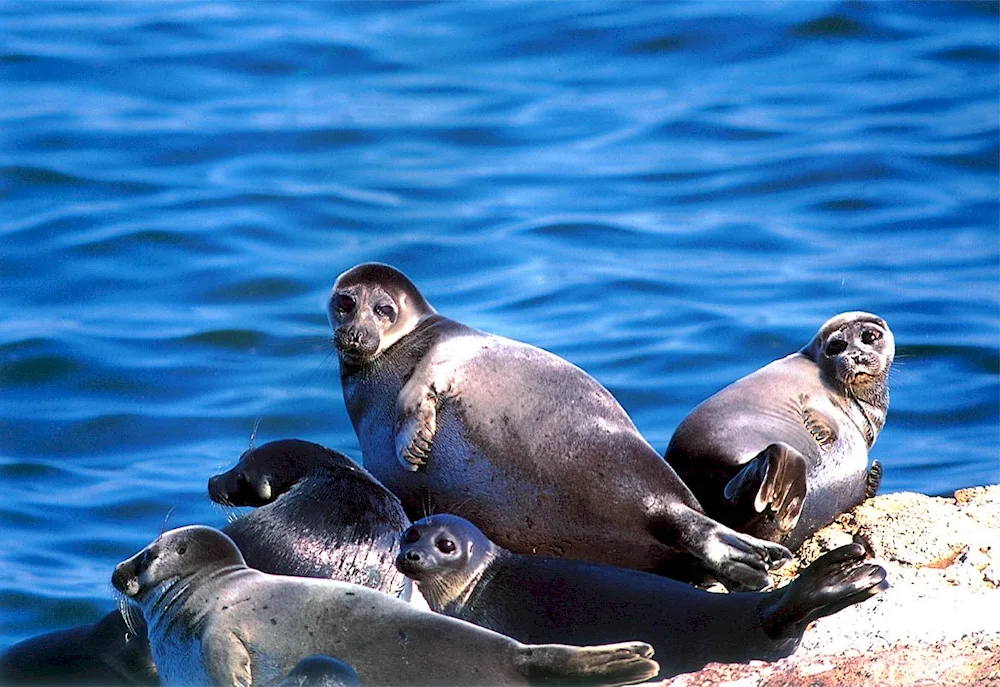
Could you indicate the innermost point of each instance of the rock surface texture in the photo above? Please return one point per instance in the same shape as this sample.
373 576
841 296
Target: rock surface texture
937 624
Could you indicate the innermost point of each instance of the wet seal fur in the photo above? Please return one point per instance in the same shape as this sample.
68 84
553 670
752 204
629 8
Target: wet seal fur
519 441
783 451
213 620
318 514
463 574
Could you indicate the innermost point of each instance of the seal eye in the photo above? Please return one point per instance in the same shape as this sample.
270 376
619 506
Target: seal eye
445 545
343 303
386 311
870 336
411 536
836 347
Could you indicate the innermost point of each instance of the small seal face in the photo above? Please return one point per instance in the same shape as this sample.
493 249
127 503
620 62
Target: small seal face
783 451
371 308
447 556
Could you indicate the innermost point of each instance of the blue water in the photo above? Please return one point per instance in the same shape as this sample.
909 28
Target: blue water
668 195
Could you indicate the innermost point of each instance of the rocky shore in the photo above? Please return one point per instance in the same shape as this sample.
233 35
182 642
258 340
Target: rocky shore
938 623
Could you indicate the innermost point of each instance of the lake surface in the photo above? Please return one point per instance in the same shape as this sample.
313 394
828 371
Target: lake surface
668 195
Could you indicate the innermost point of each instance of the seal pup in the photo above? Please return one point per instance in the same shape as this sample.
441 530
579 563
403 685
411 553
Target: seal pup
519 441
318 514
783 451
213 620
463 574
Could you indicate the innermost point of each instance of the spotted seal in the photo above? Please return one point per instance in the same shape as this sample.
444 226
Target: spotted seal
783 451
463 574
213 620
521 442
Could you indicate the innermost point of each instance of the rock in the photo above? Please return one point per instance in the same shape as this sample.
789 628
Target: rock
937 624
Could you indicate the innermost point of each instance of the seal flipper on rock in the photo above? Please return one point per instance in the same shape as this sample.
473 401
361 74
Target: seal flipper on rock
836 579
774 480
738 560
612 664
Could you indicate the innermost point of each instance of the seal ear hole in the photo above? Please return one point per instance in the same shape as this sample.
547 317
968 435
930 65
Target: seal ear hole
870 336
182 549
411 536
835 347
445 545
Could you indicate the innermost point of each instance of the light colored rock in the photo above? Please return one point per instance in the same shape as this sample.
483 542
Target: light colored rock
937 624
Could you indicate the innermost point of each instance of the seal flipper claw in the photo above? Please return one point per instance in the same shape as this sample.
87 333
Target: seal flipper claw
873 480
416 409
775 478
835 580
611 664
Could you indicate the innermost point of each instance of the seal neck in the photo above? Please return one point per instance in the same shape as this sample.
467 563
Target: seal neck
475 582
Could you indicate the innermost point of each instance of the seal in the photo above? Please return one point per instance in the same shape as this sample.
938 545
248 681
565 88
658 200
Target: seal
463 574
352 537
783 451
318 514
521 442
213 620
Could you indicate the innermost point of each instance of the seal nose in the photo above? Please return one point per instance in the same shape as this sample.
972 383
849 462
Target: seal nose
217 489
412 556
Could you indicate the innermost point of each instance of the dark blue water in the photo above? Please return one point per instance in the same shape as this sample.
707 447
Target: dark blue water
669 195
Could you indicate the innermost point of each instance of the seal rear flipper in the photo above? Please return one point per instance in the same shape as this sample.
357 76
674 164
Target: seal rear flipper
738 560
610 664
775 478
873 480
834 581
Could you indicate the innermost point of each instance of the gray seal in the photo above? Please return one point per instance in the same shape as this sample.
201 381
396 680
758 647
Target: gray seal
524 444
213 620
463 574
783 451
317 514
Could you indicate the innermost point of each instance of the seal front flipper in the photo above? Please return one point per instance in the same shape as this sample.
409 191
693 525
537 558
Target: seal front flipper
737 560
227 658
611 664
416 412
873 480
416 425
775 479
836 580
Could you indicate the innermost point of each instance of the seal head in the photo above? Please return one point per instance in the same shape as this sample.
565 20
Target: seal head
854 351
447 555
372 307
174 555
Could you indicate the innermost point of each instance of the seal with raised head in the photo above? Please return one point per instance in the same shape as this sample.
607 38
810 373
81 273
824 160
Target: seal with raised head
463 574
521 442
213 620
783 451
318 514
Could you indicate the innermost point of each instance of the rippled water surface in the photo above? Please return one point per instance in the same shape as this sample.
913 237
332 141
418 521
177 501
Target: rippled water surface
668 195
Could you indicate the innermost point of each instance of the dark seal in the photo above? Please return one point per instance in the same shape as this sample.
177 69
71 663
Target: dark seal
783 451
319 515
519 441
213 620
463 574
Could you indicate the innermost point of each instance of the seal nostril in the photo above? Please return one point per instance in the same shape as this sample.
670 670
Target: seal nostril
413 556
